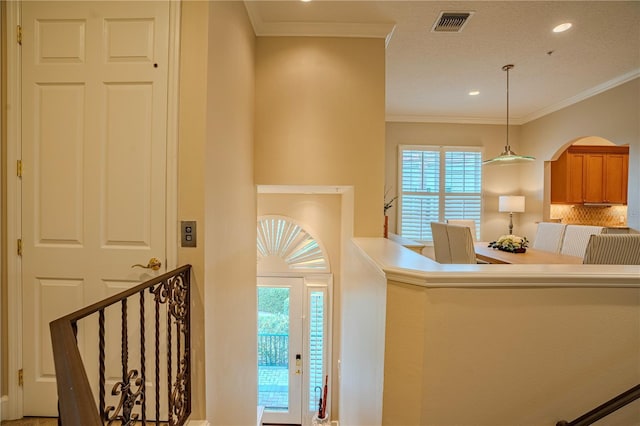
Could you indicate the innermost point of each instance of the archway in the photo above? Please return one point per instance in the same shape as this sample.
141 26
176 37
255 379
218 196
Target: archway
589 186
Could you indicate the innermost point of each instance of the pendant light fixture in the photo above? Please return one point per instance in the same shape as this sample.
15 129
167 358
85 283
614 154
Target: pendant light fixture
507 156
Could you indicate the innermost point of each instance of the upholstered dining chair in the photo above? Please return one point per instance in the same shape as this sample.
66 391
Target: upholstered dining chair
613 249
440 242
465 222
461 244
576 238
549 236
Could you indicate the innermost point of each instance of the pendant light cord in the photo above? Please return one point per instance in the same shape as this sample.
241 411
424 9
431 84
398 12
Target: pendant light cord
507 68
508 156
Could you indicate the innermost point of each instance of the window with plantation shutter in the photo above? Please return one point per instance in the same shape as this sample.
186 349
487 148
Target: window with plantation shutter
437 184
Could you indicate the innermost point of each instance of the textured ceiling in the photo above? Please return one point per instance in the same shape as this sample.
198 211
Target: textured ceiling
430 74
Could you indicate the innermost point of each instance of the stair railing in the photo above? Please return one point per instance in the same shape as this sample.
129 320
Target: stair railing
127 401
605 409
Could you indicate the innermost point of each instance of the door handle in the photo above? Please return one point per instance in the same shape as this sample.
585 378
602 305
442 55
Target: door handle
154 264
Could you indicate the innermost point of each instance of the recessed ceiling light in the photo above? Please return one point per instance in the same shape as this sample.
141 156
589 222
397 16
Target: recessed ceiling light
474 93
562 27
305 1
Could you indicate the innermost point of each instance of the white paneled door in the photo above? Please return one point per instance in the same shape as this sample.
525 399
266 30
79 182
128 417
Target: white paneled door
94 118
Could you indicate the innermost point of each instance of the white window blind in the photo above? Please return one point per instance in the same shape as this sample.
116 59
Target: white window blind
317 325
437 184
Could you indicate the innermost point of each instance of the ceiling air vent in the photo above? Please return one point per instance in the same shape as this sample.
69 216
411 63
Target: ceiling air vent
451 22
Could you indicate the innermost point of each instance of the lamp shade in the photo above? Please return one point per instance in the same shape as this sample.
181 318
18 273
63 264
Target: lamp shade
511 203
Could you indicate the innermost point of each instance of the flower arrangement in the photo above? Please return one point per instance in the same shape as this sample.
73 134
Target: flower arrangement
510 243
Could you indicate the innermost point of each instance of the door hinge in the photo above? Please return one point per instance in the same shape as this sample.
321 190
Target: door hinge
19 168
20 377
19 34
19 247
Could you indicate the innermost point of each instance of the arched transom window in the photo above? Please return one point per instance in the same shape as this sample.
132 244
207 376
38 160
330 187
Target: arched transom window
285 246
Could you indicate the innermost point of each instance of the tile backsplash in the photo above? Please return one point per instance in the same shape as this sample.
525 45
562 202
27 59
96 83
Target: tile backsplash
613 216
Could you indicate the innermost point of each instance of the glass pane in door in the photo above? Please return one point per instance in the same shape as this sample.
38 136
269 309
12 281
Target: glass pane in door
273 348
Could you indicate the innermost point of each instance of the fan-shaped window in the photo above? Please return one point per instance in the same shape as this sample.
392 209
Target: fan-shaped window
284 246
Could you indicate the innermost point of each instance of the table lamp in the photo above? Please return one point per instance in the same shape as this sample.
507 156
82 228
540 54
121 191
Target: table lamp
511 204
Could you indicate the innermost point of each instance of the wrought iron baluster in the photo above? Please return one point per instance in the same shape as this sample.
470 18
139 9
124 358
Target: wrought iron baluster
179 297
101 360
125 341
169 346
158 295
176 394
187 345
129 396
143 397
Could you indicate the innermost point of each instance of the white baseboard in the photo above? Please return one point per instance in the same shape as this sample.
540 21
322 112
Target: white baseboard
198 423
4 403
8 409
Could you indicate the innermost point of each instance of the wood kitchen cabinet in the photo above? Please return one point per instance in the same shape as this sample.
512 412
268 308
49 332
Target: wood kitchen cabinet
617 175
590 174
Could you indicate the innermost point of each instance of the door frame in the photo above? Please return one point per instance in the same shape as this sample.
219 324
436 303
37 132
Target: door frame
296 286
311 280
12 403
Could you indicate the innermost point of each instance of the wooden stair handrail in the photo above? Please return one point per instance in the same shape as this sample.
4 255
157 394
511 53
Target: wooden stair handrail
605 409
76 403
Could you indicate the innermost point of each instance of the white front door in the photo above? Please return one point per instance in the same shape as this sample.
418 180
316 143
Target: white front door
280 357
94 115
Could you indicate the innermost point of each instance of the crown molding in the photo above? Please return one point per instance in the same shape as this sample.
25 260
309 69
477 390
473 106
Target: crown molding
325 29
449 119
607 85
318 29
301 189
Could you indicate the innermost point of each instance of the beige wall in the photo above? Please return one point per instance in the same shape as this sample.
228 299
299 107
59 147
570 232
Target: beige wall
320 215
613 115
320 118
230 214
363 340
511 356
191 165
491 137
